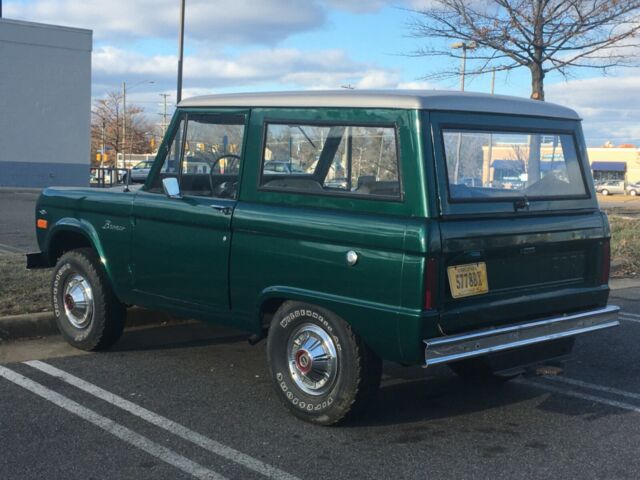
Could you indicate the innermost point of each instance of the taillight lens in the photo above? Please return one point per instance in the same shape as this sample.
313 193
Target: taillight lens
605 267
430 284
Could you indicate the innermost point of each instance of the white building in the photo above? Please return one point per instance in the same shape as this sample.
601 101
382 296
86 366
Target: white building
45 104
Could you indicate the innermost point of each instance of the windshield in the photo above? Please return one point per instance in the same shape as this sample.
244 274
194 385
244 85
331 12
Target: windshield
499 165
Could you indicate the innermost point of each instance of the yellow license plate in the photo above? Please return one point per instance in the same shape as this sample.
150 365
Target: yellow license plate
467 280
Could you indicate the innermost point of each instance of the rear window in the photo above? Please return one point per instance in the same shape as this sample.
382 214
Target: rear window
352 160
498 165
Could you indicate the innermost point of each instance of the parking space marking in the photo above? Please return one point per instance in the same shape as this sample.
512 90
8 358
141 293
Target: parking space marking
595 386
583 396
9 249
629 317
123 433
164 423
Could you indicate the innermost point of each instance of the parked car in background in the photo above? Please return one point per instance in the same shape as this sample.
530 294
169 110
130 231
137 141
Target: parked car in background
139 172
282 167
633 189
611 187
397 257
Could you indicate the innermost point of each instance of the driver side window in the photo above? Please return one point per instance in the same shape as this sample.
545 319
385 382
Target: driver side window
209 163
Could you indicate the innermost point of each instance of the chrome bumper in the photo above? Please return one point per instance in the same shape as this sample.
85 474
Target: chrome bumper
482 342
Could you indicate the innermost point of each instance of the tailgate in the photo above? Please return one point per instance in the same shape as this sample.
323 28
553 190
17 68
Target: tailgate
535 266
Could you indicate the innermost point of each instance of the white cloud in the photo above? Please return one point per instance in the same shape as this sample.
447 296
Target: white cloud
609 106
291 68
220 21
416 85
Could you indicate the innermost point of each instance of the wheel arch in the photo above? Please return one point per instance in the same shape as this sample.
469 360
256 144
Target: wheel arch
70 234
376 324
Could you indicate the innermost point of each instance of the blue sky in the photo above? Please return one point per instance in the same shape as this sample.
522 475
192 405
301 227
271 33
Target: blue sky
244 45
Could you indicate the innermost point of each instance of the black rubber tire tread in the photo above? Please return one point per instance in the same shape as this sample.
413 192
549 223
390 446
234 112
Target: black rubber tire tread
365 369
109 314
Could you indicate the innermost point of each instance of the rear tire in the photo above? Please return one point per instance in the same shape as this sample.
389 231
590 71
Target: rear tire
633 193
322 370
605 192
87 312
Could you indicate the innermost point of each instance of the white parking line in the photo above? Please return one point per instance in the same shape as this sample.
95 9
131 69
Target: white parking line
583 396
9 249
166 424
595 386
115 429
627 317
629 314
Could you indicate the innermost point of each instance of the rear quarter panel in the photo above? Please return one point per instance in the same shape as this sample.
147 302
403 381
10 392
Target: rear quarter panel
294 246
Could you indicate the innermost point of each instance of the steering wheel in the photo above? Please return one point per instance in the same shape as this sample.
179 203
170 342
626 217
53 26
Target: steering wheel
224 189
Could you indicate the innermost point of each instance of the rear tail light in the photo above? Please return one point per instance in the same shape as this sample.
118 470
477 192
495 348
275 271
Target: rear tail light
430 283
605 267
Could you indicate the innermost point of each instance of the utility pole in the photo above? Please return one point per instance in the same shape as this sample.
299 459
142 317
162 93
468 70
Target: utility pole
180 52
103 147
493 81
463 67
164 113
124 126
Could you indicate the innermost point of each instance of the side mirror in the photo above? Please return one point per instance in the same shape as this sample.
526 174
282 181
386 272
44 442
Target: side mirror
171 187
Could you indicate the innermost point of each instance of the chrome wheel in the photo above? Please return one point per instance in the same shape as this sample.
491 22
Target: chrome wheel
77 298
313 359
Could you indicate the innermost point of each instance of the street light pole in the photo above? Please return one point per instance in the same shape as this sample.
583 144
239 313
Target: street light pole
464 46
180 51
124 125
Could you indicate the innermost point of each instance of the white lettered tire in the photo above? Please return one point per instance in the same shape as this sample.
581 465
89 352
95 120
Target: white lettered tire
87 312
322 370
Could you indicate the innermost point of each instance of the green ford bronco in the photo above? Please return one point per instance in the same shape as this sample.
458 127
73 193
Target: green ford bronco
347 228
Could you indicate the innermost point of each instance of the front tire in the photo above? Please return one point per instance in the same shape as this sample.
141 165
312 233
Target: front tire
87 312
633 193
322 370
605 192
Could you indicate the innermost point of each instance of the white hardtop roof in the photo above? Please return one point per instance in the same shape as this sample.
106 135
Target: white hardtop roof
401 99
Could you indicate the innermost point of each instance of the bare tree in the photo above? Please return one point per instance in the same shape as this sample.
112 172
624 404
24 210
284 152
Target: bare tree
106 126
541 35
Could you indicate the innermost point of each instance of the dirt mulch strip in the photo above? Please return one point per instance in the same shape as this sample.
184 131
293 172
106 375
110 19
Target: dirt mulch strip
22 290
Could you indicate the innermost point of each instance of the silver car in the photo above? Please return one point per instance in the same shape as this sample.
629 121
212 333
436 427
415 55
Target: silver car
633 189
140 172
611 187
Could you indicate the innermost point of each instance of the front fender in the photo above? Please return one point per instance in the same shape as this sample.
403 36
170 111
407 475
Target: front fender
78 226
376 323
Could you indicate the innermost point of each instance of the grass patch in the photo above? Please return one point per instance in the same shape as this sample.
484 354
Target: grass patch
625 245
22 290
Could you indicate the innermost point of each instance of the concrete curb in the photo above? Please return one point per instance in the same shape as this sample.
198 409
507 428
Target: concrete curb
43 324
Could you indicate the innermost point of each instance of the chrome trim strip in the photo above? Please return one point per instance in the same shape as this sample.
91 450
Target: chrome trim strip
482 342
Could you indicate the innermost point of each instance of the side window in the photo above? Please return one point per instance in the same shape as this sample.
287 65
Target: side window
336 159
205 156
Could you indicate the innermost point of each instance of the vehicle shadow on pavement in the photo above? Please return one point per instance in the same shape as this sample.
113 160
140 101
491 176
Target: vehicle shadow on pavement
165 337
415 396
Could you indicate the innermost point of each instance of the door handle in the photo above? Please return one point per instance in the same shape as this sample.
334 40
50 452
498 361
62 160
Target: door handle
225 210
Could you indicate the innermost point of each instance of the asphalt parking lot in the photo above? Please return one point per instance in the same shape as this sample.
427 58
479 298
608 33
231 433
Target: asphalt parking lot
17 220
191 400
196 401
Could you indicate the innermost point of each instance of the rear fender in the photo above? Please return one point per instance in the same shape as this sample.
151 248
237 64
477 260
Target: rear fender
375 323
